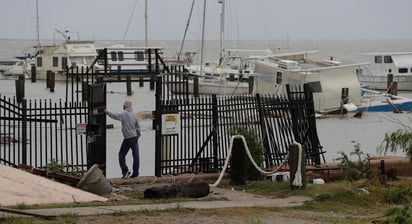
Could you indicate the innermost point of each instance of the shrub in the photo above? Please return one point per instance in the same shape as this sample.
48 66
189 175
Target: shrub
353 171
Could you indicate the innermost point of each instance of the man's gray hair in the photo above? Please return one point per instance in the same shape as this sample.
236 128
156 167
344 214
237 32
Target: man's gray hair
127 104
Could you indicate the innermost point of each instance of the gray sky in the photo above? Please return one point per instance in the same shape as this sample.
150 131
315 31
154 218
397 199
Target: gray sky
245 19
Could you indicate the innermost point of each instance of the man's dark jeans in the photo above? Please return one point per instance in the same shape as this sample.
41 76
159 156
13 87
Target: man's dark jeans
130 143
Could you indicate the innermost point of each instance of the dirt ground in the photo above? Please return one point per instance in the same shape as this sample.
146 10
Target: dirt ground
232 216
239 208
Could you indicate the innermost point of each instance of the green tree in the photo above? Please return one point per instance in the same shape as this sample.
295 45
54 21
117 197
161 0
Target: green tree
400 140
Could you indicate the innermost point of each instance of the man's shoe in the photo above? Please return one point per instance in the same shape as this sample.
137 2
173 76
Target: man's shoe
126 175
134 175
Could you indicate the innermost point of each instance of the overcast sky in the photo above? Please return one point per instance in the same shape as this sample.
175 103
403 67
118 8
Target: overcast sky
245 19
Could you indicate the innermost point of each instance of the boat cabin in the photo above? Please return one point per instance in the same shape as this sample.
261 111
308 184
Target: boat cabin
72 54
126 60
388 67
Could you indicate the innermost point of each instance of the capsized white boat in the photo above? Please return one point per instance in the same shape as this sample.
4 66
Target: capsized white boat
335 84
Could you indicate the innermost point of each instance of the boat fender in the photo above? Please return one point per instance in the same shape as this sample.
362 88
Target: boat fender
350 107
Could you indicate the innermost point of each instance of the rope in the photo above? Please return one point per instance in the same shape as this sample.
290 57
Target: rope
250 158
298 175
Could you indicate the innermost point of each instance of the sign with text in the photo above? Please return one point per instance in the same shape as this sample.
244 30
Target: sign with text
170 124
81 129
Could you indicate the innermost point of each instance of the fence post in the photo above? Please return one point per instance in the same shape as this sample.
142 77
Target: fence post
262 125
157 126
96 127
215 127
24 131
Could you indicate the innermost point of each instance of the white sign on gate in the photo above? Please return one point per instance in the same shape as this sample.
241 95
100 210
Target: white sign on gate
170 124
81 129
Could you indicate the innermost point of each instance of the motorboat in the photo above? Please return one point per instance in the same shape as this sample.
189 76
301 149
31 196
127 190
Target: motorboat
76 54
335 86
13 68
386 68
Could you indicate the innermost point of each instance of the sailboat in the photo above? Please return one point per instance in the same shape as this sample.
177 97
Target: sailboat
230 76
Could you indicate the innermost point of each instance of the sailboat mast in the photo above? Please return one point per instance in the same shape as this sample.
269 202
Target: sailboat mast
37 24
203 37
222 29
187 26
145 15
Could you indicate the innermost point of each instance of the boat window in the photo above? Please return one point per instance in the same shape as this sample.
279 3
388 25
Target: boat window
113 56
139 56
387 59
64 62
378 59
39 62
120 55
403 70
279 77
55 61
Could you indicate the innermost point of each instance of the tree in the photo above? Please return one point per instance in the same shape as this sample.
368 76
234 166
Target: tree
397 140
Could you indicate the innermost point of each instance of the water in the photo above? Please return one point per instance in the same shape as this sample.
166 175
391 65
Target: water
335 134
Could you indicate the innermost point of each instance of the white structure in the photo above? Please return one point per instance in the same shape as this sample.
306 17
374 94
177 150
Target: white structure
398 64
71 53
329 77
126 60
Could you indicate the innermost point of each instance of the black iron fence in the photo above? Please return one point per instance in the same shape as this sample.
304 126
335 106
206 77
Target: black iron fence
41 132
193 133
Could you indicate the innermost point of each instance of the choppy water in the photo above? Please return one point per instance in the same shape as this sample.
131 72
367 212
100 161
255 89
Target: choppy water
336 134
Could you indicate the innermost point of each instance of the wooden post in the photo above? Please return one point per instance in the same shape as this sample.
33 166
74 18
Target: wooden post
33 73
141 82
238 162
52 81
297 166
20 88
48 72
251 83
344 99
129 85
196 86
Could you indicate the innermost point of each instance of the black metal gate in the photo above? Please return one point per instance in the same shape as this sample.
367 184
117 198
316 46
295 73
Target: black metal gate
204 125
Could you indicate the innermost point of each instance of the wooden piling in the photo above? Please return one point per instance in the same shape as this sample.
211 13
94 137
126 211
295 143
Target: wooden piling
20 88
196 86
141 81
48 72
52 81
129 85
297 166
33 73
238 168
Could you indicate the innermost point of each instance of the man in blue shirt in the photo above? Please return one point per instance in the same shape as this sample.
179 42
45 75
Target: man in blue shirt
131 134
